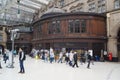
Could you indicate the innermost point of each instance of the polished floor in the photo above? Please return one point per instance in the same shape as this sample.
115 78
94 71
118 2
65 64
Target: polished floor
40 70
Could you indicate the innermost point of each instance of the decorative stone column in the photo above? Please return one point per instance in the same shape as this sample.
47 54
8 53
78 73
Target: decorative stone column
112 47
112 30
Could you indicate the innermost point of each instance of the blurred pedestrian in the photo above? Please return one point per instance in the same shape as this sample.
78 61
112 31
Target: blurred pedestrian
75 57
89 60
51 55
60 57
71 58
67 57
21 59
0 57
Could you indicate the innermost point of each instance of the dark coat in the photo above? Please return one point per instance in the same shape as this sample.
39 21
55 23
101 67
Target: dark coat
75 57
22 54
89 57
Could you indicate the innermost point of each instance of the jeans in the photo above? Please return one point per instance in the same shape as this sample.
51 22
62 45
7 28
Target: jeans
60 60
88 66
22 66
51 59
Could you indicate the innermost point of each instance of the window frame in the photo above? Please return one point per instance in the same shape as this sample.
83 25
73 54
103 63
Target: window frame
72 28
116 4
54 27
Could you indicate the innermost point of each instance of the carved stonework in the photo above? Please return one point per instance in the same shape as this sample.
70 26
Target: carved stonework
78 5
89 1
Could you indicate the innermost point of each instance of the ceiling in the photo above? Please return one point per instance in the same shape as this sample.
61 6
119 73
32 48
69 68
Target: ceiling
13 12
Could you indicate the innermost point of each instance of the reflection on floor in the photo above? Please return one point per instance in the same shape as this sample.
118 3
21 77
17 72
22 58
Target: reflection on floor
39 70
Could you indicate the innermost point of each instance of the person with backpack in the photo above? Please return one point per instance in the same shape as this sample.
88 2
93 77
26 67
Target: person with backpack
22 58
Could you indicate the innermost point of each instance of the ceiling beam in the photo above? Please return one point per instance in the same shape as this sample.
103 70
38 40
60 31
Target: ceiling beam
38 2
28 6
24 8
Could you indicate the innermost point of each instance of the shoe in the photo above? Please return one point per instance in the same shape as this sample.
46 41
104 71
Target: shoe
20 72
88 67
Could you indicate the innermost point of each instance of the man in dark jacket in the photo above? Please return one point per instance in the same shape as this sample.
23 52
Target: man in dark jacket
89 60
75 57
21 59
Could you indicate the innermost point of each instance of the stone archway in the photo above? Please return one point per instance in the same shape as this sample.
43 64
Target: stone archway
113 29
113 46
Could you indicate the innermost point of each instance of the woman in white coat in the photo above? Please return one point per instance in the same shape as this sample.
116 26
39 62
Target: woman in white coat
71 58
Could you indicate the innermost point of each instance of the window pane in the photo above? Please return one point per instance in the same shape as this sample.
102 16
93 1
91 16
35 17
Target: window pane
92 7
70 27
77 26
83 26
53 27
58 27
49 28
62 3
117 4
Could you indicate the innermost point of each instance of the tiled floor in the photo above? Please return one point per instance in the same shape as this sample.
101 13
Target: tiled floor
39 70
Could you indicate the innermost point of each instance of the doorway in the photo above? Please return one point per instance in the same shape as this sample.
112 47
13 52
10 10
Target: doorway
118 44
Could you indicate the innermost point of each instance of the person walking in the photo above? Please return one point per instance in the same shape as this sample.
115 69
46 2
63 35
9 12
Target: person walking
0 63
51 55
71 58
75 57
21 60
89 60
60 57
0 57
67 57
6 55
